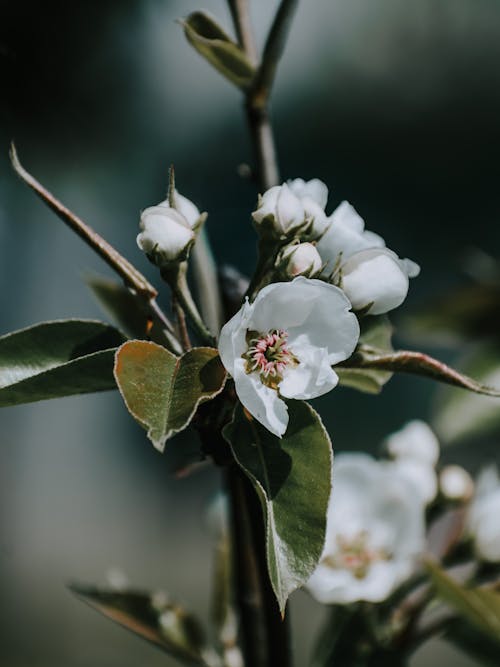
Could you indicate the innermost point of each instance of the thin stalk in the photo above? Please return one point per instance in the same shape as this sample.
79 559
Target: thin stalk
264 634
243 26
177 280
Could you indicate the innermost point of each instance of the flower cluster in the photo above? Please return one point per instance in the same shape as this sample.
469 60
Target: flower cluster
285 342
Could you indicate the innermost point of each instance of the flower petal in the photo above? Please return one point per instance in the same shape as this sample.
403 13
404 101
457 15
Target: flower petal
312 377
262 402
232 339
312 310
315 189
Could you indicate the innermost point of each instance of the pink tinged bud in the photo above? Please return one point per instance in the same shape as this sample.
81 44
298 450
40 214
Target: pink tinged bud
301 260
455 483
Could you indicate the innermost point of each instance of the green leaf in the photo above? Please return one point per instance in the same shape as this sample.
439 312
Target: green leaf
152 617
460 415
415 363
292 478
479 606
376 334
55 359
162 391
210 40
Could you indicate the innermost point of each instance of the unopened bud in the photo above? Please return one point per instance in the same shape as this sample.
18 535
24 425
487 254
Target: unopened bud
166 235
455 483
280 214
301 259
186 208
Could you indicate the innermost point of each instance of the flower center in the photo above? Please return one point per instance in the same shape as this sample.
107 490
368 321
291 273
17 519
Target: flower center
354 553
268 354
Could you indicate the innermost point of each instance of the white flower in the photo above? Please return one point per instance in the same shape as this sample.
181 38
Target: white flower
301 259
415 440
375 533
455 483
484 513
166 235
415 449
280 213
284 345
370 272
313 195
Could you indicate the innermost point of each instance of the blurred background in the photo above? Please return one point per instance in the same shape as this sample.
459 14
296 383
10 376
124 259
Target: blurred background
395 105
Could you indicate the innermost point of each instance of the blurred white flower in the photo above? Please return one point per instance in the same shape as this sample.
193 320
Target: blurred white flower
301 259
375 532
455 483
484 514
284 345
415 440
415 450
166 235
370 272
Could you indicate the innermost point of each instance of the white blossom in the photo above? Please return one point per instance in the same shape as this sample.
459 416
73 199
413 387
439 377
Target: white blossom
415 440
301 259
186 207
455 483
374 535
166 235
415 449
284 344
371 274
280 212
484 513
313 195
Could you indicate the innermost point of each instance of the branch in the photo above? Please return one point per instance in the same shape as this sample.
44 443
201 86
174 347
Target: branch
273 50
243 28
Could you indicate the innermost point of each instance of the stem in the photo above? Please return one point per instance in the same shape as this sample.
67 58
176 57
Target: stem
263 145
207 282
264 634
176 278
130 275
243 26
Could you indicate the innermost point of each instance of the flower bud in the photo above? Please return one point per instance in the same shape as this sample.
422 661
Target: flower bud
186 208
301 259
415 440
166 235
280 213
377 277
455 483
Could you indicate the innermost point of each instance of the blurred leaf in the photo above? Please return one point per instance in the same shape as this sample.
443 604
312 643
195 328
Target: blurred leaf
460 415
162 391
210 40
55 359
467 313
415 363
479 606
473 642
376 334
292 477
129 310
164 624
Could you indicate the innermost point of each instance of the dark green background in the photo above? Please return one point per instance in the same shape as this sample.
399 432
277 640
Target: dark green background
394 104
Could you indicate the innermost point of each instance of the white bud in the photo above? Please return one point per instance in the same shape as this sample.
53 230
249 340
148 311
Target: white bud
456 483
313 189
185 207
420 474
375 277
166 235
280 213
301 259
